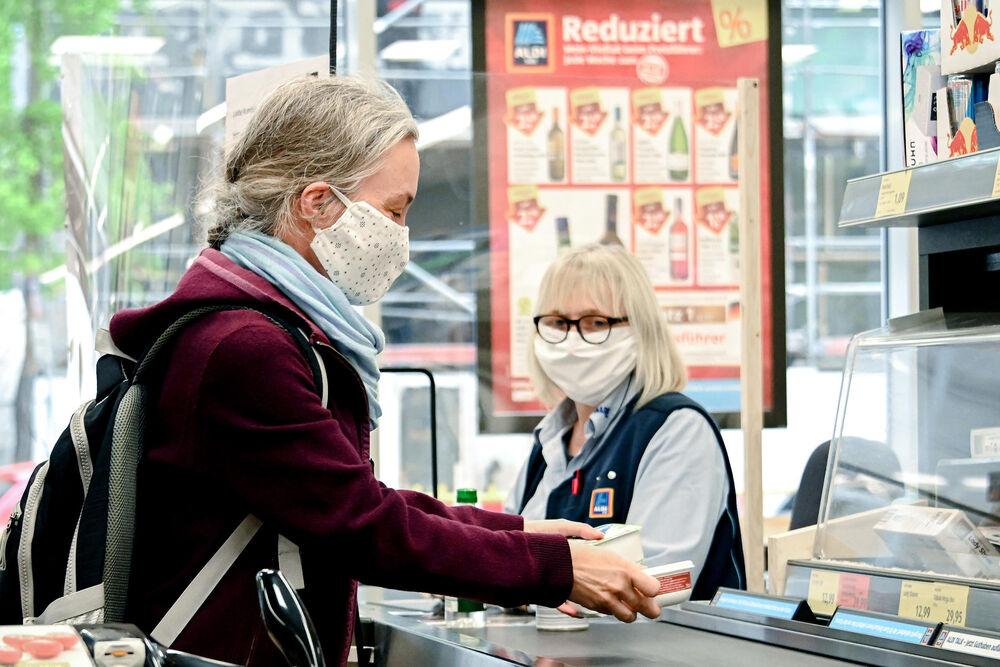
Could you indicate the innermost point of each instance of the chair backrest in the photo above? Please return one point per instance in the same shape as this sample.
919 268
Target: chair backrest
805 510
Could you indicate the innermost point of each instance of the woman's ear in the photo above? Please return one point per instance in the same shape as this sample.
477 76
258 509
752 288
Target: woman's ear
315 201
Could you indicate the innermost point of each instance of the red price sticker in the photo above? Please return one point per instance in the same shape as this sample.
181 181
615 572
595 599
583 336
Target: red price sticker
853 590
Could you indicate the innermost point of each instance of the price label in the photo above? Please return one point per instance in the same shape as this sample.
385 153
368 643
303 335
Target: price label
951 603
916 599
853 591
823 587
934 602
892 194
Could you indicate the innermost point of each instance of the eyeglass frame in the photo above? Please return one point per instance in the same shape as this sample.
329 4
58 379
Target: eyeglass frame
612 321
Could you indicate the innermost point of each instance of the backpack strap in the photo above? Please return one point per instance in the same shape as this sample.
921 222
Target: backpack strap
190 601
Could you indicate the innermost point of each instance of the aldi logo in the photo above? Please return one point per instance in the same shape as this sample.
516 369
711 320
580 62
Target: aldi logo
529 43
602 503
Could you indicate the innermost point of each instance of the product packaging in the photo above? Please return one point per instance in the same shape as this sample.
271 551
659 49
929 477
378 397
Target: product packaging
942 541
675 582
622 538
921 77
967 40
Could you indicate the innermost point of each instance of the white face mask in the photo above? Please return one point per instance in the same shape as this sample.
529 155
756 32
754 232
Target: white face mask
585 372
363 252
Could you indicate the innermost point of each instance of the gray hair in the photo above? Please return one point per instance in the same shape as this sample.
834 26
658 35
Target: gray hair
611 277
309 129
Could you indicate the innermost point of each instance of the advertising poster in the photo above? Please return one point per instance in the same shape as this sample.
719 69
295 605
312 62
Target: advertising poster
616 123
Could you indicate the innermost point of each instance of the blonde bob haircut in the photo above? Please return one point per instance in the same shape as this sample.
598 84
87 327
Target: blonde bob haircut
310 129
619 286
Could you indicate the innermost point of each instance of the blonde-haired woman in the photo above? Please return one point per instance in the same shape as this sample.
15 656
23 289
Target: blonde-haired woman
309 221
622 444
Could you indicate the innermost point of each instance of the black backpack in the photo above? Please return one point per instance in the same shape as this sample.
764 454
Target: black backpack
65 555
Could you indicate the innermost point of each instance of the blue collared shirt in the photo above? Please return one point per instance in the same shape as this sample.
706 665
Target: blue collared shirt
680 487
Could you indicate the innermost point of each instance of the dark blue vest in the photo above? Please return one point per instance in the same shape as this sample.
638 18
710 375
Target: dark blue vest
621 452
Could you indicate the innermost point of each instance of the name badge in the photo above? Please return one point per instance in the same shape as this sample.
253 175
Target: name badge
602 503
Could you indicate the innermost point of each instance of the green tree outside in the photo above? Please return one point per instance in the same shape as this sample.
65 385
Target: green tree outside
31 158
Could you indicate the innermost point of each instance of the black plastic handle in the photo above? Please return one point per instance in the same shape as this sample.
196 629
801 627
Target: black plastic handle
287 621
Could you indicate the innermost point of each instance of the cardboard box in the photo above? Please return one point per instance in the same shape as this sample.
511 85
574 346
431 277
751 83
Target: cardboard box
921 76
965 140
967 40
937 540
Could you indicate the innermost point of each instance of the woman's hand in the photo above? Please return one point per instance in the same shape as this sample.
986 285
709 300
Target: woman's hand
563 527
606 582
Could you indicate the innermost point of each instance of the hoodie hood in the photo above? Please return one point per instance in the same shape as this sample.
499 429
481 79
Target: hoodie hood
212 278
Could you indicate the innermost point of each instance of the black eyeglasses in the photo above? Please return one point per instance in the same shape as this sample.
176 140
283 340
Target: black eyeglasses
594 329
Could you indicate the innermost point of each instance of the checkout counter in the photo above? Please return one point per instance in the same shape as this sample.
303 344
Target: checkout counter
691 634
902 566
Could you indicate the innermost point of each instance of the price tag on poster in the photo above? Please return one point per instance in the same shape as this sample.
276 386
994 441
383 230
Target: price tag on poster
617 124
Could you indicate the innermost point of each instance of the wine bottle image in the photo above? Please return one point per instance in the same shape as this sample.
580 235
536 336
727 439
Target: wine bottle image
677 153
556 149
734 156
562 235
611 223
618 148
679 255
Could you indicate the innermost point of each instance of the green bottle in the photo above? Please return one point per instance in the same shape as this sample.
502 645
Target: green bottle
677 155
459 612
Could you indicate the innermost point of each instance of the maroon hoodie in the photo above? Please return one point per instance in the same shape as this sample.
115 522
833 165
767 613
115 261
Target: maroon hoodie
238 428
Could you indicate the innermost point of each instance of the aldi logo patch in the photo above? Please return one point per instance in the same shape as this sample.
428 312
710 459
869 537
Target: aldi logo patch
529 43
602 503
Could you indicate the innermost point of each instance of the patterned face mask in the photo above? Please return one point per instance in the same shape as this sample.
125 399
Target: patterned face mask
363 252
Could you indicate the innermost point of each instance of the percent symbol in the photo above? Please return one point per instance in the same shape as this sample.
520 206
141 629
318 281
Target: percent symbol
735 23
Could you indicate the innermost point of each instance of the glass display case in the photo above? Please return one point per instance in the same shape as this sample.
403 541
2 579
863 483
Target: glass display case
909 523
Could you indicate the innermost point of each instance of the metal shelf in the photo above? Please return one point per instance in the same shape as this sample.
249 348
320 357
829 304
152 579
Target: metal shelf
939 193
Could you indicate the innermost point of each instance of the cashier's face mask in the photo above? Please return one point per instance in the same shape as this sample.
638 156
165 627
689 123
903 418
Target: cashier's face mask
363 252
585 372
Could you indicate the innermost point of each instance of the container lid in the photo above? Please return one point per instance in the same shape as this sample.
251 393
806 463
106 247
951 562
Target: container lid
467 496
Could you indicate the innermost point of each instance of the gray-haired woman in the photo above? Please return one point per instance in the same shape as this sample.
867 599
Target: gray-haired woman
309 221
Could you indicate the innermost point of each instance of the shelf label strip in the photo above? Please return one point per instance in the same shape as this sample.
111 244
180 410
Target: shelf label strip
913 633
967 642
892 193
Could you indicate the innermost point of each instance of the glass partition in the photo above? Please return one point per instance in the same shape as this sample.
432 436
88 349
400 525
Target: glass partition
916 485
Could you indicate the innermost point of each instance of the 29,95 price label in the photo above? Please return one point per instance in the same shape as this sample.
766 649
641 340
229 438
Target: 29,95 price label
892 194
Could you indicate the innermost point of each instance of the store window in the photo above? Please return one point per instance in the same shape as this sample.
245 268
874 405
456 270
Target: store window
164 117
833 132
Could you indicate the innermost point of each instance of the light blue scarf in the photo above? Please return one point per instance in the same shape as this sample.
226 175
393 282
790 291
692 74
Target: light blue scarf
323 303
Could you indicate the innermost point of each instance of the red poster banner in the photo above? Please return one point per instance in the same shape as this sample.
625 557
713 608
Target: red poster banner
617 123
